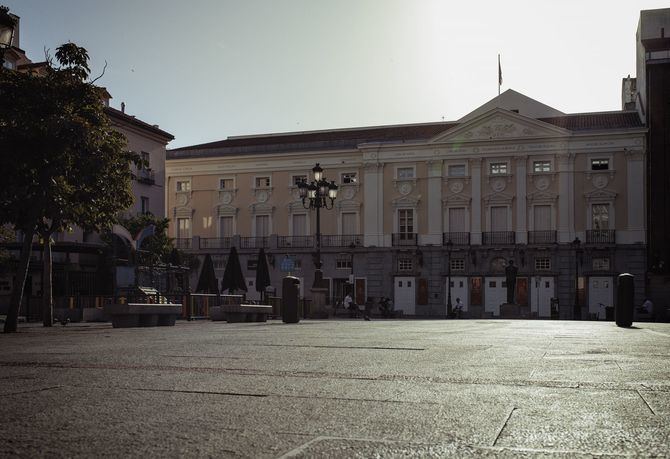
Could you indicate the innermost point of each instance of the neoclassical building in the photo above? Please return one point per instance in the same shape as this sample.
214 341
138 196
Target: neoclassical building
562 195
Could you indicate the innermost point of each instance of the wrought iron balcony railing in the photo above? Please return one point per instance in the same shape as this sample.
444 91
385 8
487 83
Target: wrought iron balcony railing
255 242
341 240
498 237
295 241
542 237
216 242
404 239
600 237
457 238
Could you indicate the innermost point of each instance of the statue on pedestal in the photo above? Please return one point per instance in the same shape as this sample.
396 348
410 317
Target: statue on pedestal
510 278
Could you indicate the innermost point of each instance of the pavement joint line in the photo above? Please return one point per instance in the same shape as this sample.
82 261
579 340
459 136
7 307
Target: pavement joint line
30 391
656 332
344 347
504 424
646 403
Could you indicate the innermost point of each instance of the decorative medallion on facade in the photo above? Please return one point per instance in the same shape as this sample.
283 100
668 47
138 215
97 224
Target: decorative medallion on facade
542 183
456 186
262 196
404 188
600 181
348 191
226 197
183 198
498 185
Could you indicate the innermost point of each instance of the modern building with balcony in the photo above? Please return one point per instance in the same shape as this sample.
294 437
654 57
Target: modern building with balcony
562 195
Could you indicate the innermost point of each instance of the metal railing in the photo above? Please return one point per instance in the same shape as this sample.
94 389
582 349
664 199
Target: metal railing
255 242
404 239
216 242
498 237
457 238
295 241
341 240
183 242
600 237
146 176
541 237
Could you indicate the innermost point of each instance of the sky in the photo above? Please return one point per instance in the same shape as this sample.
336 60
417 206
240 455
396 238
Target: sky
207 69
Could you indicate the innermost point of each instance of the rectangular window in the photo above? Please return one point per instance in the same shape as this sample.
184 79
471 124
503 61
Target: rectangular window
405 264
542 218
406 221
299 222
145 204
226 226
349 223
457 220
349 177
600 164
601 216
183 185
457 170
145 160
405 173
262 225
298 179
541 166
262 182
601 264
499 218
343 261
498 168
457 264
183 228
543 264
226 184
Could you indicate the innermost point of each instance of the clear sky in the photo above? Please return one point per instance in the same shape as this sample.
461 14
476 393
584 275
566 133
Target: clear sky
207 69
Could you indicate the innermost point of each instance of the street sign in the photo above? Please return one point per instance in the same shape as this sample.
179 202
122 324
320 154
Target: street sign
287 264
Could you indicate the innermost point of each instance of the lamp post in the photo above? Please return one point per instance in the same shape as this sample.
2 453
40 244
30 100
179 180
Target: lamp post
577 312
316 195
7 27
449 306
352 279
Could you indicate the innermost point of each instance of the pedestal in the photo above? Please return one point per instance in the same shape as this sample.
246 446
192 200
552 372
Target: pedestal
318 308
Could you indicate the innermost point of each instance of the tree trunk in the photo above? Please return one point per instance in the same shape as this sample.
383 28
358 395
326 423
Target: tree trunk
11 323
47 296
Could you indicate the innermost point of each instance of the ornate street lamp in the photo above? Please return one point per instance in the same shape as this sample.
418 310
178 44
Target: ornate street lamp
449 306
577 312
7 27
316 195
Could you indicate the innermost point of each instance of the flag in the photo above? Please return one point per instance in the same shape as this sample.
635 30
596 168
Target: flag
147 231
124 234
499 74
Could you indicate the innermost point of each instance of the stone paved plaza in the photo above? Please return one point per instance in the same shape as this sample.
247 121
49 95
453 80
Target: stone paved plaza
340 388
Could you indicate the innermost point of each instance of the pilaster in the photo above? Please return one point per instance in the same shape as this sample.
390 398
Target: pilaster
476 228
521 206
566 197
434 235
635 196
373 211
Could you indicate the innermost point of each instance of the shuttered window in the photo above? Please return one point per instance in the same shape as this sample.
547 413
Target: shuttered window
542 218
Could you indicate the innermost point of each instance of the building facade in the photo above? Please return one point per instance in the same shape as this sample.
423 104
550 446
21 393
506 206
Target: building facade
420 204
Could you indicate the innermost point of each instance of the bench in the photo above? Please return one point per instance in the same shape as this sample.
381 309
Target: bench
235 313
143 314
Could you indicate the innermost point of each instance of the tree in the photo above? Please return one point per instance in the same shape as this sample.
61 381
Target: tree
62 162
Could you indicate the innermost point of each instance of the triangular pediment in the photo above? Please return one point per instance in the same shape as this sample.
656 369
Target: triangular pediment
456 199
499 197
542 196
406 201
605 195
500 124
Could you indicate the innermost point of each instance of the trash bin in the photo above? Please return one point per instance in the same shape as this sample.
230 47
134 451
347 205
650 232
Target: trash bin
623 310
554 308
290 292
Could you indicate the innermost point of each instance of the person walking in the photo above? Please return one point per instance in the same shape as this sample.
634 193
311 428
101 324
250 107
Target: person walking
349 305
458 309
368 308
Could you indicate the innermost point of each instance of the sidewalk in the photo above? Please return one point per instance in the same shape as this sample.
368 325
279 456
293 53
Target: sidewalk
337 388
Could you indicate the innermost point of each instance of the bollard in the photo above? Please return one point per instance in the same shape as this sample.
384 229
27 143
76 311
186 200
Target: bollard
623 311
290 292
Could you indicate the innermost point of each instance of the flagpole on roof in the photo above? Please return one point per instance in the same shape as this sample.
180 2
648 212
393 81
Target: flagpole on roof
500 80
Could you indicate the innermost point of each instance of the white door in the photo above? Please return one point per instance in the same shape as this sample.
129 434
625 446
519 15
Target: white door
459 289
495 294
601 295
541 293
405 295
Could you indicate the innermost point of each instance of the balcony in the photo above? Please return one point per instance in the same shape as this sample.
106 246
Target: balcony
216 242
404 239
296 242
600 237
498 238
541 237
182 242
341 240
255 242
146 176
459 238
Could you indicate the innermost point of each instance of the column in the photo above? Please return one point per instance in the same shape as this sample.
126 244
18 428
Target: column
566 198
434 235
521 205
373 210
476 214
635 185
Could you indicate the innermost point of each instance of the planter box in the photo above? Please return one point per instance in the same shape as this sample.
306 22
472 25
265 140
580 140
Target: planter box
143 315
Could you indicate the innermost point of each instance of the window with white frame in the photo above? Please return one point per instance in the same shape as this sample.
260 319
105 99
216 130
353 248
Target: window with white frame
262 225
542 264
405 264
406 223
298 179
601 264
542 166
183 228
457 264
456 170
600 164
299 225
498 168
349 177
183 185
600 216
349 223
226 226
343 261
405 172
227 183
262 182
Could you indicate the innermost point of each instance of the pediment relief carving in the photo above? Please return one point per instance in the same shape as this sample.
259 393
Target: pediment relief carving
499 198
226 210
261 208
456 198
295 206
602 194
542 197
348 205
183 212
406 201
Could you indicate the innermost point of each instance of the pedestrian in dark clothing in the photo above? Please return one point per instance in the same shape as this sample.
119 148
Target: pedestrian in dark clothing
368 309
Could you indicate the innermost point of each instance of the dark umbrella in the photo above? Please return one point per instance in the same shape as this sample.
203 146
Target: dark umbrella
233 279
207 282
262 273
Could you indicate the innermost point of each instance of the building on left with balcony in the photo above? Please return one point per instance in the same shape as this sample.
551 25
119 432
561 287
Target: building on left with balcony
81 260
